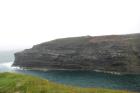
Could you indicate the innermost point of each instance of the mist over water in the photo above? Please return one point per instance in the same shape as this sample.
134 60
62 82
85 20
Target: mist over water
7 56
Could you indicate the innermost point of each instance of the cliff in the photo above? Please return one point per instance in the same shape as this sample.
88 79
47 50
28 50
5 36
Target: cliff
117 53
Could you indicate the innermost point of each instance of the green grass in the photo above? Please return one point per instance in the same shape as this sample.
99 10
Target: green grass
19 83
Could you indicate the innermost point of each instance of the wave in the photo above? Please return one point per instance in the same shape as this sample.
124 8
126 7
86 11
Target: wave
6 64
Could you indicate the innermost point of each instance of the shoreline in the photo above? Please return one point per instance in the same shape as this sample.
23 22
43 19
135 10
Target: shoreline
96 70
28 82
9 65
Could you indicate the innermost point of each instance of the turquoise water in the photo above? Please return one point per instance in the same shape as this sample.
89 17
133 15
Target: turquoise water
81 78
90 79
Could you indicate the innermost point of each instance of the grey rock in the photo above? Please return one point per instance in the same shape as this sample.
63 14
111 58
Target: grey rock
114 53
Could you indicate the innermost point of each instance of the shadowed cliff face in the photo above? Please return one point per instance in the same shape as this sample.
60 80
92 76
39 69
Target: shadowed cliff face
118 53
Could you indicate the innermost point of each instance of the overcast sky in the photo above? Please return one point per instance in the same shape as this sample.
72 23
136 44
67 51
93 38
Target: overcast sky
24 23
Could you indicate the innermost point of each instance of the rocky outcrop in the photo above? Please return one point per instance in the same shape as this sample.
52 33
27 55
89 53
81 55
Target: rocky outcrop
115 53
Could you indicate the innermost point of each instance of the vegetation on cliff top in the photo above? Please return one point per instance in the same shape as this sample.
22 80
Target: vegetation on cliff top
19 83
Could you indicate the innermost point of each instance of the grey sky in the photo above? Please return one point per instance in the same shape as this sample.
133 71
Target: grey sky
24 23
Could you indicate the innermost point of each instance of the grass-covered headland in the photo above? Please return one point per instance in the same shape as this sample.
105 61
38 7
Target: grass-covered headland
19 83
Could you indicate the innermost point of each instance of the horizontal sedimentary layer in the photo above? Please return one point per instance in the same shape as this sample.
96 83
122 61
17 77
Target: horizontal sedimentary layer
116 53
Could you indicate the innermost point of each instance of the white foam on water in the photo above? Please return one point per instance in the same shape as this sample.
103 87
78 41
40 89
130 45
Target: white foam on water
6 67
6 64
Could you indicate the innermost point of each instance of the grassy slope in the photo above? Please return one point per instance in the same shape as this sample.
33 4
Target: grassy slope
18 83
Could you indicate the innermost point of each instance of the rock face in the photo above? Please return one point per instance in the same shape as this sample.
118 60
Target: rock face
117 53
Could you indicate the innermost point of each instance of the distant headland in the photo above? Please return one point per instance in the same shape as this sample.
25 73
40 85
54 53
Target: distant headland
110 53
